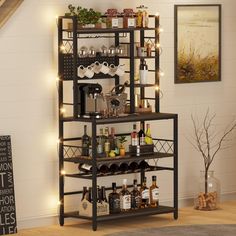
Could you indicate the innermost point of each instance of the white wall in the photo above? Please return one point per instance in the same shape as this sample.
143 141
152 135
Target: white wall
28 101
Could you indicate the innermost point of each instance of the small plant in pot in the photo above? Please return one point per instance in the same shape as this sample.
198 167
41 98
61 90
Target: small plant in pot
208 141
87 18
122 140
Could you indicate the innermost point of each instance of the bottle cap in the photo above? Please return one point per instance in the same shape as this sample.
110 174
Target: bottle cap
124 181
154 178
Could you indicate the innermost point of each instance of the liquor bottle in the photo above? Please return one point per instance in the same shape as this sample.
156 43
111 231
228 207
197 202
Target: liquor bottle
154 193
143 72
107 143
135 197
100 143
114 200
99 195
125 197
144 193
112 139
103 194
141 135
134 136
86 140
148 136
85 191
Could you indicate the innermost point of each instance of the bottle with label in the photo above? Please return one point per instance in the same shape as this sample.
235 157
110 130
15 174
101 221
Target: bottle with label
107 143
148 135
144 193
154 193
125 197
112 139
134 136
85 191
135 197
114 200
86 141
143 72
85 167
141 135
100 143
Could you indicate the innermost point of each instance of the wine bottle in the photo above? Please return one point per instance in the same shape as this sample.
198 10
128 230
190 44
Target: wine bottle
135 197
99 195
144 193
133 166
114 200
125 197
124 167
112 139
103 169
134 136
85 167
107 143
114 168
141 135
148 136
86 140
85 191
100 143
103 194
154 193
89 195
143 72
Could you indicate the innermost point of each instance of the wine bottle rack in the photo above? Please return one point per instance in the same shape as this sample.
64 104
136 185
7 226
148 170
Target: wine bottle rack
68 61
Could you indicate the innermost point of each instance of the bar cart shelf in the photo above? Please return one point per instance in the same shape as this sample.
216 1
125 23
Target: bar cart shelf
68 62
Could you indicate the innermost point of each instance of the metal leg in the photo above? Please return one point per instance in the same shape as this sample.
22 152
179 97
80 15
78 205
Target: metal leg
176 167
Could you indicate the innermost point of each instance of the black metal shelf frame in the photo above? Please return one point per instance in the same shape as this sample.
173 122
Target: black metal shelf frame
67 71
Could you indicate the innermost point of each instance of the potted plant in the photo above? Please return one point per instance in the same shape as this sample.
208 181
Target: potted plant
87 18
208 141
122 140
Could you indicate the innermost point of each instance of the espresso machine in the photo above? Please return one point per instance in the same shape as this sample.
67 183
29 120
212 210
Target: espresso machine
88 95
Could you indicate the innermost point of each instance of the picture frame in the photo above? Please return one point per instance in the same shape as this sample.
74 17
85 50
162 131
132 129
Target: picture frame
197 35
7 8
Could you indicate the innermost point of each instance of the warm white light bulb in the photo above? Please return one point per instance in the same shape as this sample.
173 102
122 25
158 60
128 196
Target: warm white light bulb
157 14
62 48
59 203
63 110
63 172
161 30
157 88
58 141
161 73
158 45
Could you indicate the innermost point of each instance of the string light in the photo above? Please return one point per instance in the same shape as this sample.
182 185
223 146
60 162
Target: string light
63 110
63 172
58 141
161 73
157 14
161 30
63 48
157 88
59 203
57 78
158 45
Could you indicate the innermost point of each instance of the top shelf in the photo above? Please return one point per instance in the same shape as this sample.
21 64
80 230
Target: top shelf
123 119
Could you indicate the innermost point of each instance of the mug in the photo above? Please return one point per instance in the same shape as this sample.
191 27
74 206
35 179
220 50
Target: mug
112 70
96 67
119 71
104 68
81 71
89 72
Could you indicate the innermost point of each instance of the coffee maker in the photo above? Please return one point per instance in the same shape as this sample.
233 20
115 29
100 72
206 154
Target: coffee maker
88 95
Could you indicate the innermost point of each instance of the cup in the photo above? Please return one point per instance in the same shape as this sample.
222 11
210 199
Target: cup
119 70
104 68
89 72
96 67
81 71
112 70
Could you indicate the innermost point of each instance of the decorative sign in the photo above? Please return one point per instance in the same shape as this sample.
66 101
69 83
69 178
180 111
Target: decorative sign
7 8
7 198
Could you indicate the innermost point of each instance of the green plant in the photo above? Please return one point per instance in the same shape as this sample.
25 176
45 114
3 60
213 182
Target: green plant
122 140
84 15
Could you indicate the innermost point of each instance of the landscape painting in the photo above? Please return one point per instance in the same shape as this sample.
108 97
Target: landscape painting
197 43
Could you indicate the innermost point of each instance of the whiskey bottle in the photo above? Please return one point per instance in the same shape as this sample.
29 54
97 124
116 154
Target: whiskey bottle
134 136
141 135
114 200
154 193
125 197
148 136
144 193
86 140
135 197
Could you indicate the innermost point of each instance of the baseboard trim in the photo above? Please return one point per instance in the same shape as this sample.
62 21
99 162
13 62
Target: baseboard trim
48 220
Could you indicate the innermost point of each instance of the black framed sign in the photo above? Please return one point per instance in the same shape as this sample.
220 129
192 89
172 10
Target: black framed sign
7 196
197 43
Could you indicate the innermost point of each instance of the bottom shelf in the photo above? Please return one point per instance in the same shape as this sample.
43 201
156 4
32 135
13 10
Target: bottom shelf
132 213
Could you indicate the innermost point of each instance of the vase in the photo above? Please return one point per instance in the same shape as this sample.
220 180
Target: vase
207 197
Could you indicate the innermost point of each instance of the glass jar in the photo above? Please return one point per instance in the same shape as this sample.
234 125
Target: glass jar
142 17
128 18
207 197
112 20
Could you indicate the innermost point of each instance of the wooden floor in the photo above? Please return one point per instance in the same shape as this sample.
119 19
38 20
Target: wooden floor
187 216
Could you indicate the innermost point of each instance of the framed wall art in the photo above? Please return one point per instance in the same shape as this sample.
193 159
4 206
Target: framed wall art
7 8
197 43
